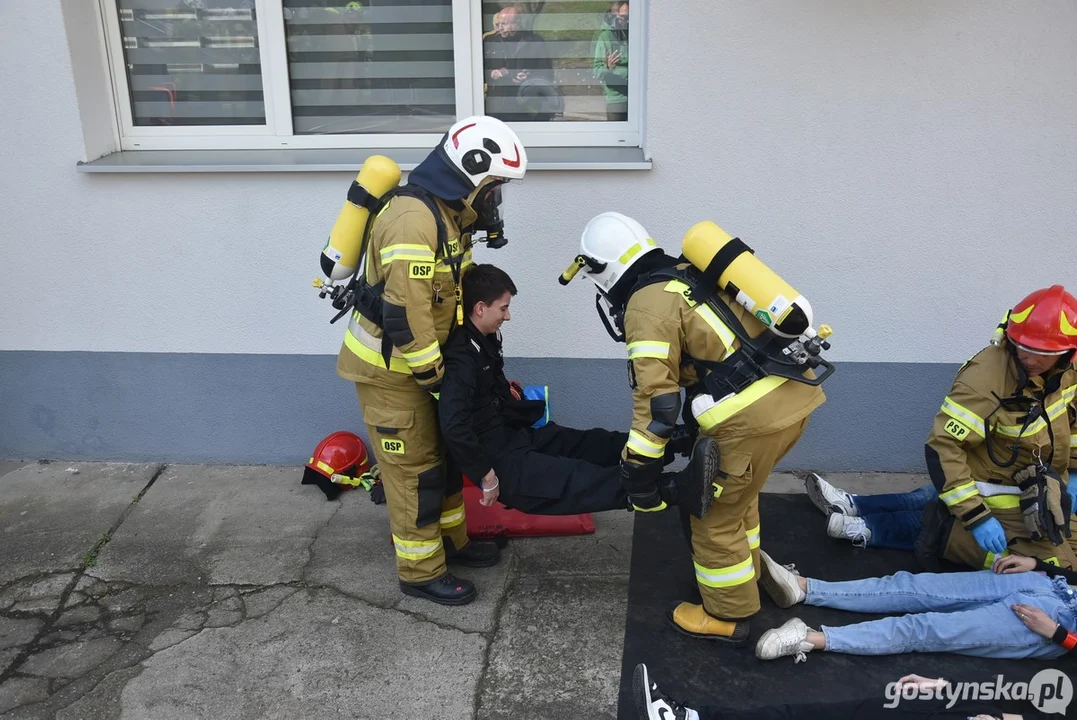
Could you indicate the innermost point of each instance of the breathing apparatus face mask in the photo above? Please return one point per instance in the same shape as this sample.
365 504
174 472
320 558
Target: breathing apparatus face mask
487 206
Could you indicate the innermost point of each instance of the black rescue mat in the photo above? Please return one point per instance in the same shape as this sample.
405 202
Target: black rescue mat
712 673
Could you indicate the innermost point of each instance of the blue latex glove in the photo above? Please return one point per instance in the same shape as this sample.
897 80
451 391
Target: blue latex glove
1071 490
990 536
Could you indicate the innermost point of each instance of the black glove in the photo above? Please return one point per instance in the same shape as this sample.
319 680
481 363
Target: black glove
641 484
377 494
680 443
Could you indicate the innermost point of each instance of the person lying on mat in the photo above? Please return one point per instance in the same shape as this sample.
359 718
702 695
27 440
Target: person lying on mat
550 470
1021 608
931 701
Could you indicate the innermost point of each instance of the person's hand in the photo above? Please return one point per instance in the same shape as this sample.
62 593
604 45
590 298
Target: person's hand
612 58
499 73
990 536
1036 620
1013 564
490 489
520 77
923 682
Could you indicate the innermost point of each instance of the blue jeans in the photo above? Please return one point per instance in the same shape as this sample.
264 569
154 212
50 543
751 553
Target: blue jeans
967 613
894 519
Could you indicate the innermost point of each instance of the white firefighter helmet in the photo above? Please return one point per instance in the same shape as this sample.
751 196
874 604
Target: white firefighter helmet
482 147
611 243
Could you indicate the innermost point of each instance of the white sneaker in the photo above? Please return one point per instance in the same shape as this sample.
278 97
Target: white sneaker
789 639
653 704
844 527
828 498
780 582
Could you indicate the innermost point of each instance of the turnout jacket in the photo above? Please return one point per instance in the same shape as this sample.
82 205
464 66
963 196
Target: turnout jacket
665 330
478 412
419 304
971 422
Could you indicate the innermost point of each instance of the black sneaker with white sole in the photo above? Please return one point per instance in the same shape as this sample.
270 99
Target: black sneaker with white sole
653 704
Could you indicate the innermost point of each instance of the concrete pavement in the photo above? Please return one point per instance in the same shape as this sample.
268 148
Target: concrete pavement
153 591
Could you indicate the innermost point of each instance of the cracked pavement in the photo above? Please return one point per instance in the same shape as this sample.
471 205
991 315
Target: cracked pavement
151 591
145 591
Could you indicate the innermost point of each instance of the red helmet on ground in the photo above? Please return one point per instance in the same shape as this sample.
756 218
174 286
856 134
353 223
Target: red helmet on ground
337 463
1045 322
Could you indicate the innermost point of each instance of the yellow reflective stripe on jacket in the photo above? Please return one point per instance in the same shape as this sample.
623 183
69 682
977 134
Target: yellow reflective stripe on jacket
753 537
704 311
368 348
425 356
1054 411
1073 442
680 288
730 576
728 408
648 349
416 549
642 445
1003 502
444 266
720 328
999 497
452 518
406 251
959 494
964 415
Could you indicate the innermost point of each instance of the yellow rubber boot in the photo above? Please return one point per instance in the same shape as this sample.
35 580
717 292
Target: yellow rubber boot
693 620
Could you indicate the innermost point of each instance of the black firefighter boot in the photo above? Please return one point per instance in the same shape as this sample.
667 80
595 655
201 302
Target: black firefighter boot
444 590
694 485
476 554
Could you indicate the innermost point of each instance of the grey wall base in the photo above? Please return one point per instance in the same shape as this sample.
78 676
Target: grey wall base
273 409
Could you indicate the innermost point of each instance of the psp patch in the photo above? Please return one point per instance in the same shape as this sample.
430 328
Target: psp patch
956 429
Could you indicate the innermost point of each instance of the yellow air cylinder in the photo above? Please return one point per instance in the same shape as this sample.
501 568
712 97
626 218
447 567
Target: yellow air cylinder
340 255
754 285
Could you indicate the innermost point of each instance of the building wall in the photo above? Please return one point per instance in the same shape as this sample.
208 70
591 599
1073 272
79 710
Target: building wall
911 168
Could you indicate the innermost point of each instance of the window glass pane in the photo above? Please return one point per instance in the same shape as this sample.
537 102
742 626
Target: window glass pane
373 66
564 60
192 62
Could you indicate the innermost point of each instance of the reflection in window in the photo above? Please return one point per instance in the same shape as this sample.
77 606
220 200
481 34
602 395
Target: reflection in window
192 62
565 60
375 66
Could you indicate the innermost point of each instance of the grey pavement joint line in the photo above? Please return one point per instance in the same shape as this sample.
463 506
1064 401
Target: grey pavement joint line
480 685
50 621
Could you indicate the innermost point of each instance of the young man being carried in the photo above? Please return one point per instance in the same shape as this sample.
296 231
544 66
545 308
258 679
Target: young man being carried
551 470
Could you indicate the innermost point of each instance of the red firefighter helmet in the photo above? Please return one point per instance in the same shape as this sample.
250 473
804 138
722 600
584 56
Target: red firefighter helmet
337 463
1045 322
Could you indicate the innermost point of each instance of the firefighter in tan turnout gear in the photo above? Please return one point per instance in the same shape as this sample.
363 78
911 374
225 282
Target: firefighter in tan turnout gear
1001 450
749 385
406 303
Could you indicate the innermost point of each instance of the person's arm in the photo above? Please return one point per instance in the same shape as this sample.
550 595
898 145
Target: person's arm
407 261
458 390
959 426
1041 623
602 49
654 356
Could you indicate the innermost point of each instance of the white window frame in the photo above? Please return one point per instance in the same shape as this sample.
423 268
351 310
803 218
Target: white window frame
277 132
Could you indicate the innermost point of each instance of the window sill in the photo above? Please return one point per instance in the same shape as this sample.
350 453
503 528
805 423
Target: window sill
327 160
